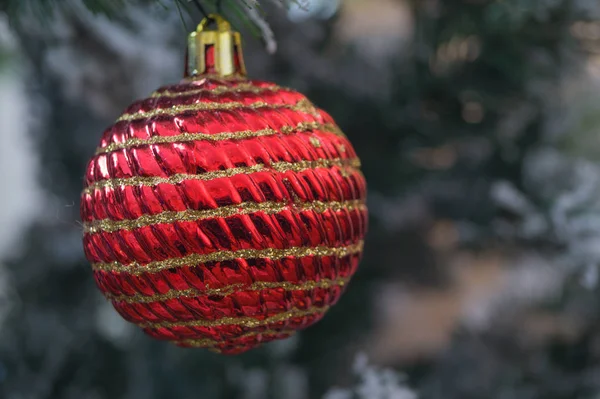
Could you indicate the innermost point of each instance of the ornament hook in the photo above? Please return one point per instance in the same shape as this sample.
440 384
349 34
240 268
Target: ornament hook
222 24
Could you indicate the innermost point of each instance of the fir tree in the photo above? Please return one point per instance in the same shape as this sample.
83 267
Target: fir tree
476 128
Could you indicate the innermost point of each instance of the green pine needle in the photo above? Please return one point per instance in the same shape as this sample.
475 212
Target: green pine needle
238 10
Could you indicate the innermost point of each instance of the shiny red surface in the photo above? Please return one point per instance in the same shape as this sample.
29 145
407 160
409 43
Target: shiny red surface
286 229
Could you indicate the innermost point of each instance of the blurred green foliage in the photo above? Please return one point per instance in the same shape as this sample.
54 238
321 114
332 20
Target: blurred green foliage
479 81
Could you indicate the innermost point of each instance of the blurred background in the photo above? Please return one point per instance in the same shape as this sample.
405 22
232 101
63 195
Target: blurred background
478 126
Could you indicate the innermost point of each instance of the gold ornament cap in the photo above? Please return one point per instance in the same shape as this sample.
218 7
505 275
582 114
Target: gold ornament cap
215 52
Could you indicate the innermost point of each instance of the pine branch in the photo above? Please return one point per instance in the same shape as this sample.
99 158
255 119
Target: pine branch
267 34
45 8
248 12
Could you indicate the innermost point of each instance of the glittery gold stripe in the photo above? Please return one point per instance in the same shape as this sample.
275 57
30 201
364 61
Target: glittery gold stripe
240 88
220 256
209 343
244 208
281 167
303 106
247 321
239 135
214 76
228 290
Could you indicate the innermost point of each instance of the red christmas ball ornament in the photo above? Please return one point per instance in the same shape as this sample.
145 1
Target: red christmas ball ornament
223 212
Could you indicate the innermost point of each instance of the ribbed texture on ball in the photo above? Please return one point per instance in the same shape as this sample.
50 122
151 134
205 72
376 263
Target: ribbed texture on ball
223 213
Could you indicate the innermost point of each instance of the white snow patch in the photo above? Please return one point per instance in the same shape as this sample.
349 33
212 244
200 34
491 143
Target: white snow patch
20 197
